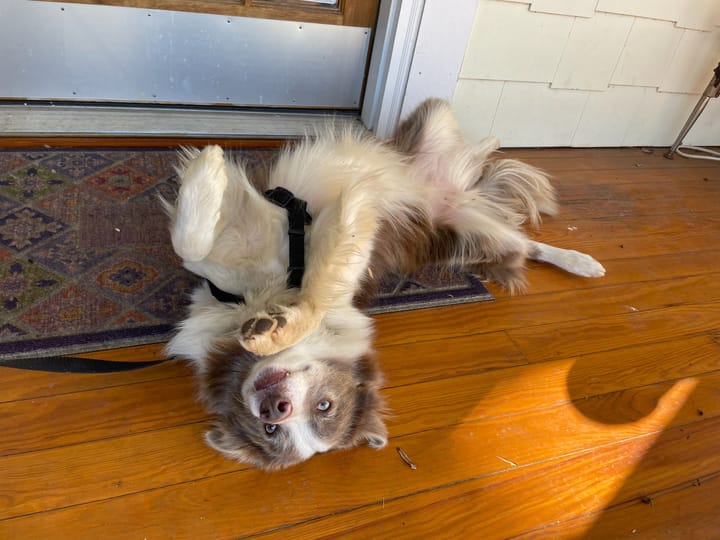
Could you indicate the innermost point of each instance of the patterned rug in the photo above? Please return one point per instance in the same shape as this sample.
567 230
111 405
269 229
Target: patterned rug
85 258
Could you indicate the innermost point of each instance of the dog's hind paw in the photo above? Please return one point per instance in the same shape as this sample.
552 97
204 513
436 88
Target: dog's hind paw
572 261
584 265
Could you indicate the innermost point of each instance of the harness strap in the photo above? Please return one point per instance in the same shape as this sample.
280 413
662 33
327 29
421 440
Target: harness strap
224 296
298 217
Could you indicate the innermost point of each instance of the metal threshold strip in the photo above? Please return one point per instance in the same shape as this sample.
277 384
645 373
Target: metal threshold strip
93 121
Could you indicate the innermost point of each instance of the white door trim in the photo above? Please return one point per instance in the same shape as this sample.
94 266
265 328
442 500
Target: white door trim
418 53
393 49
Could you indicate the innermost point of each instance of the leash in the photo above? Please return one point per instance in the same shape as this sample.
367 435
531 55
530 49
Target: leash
72 364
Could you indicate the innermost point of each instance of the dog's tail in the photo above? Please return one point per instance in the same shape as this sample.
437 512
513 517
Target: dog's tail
520 188
440 153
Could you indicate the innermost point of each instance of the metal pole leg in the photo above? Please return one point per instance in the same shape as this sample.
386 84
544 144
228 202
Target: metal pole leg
711 90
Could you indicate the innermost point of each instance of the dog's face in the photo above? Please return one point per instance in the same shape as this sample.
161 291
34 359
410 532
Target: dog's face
280 410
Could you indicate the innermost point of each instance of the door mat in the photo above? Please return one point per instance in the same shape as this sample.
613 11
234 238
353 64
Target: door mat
86 262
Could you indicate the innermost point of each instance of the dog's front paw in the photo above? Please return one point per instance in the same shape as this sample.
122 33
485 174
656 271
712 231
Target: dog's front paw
263 323
268 332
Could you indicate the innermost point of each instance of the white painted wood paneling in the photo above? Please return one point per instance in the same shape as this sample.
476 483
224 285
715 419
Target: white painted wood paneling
533 114
696 56
659 118
576 8
592 52
438 52
700 15
647 53
667 10
607 116
589 72
692 14
509 42
475 103
706 130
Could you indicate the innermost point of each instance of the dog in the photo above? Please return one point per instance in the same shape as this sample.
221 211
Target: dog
283 354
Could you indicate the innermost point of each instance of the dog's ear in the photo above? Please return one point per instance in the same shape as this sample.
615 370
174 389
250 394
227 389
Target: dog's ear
370 427
371 430
233 447
218 439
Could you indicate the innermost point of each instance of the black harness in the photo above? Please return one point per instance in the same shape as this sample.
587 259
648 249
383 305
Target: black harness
298 218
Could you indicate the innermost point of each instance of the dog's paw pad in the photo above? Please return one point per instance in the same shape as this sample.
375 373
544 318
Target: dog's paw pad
262 333
258 326
255 326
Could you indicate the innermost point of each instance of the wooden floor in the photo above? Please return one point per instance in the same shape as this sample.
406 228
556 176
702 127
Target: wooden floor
583 409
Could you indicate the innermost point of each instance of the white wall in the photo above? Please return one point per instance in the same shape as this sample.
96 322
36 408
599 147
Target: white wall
588 72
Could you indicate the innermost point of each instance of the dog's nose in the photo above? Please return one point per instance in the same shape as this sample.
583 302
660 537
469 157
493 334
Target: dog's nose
275 409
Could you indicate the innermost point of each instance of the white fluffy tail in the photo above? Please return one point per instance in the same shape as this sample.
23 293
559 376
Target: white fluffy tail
518 187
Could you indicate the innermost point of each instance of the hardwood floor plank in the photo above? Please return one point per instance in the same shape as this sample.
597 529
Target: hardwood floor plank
41 423
540 309
701 177
19 384
470 355
602 159
593 234
150 352
38 481
701 238
638 271
607 201
605 333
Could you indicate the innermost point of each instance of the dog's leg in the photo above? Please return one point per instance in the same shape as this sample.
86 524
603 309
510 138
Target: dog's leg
340 246
204 181
570 260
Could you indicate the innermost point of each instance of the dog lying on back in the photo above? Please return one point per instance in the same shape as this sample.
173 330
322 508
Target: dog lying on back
285 365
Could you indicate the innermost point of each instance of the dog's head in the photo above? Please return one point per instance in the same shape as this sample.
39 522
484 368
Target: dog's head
277 411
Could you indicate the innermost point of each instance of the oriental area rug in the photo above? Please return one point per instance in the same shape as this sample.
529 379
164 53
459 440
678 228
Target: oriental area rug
86 261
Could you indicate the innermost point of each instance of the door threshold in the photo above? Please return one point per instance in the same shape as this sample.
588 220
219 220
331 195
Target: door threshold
100 121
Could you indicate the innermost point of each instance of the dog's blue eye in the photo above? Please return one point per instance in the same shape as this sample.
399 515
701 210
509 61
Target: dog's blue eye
270 428
323 406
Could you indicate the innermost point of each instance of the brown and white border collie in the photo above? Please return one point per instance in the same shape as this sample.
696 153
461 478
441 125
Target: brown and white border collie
288 372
